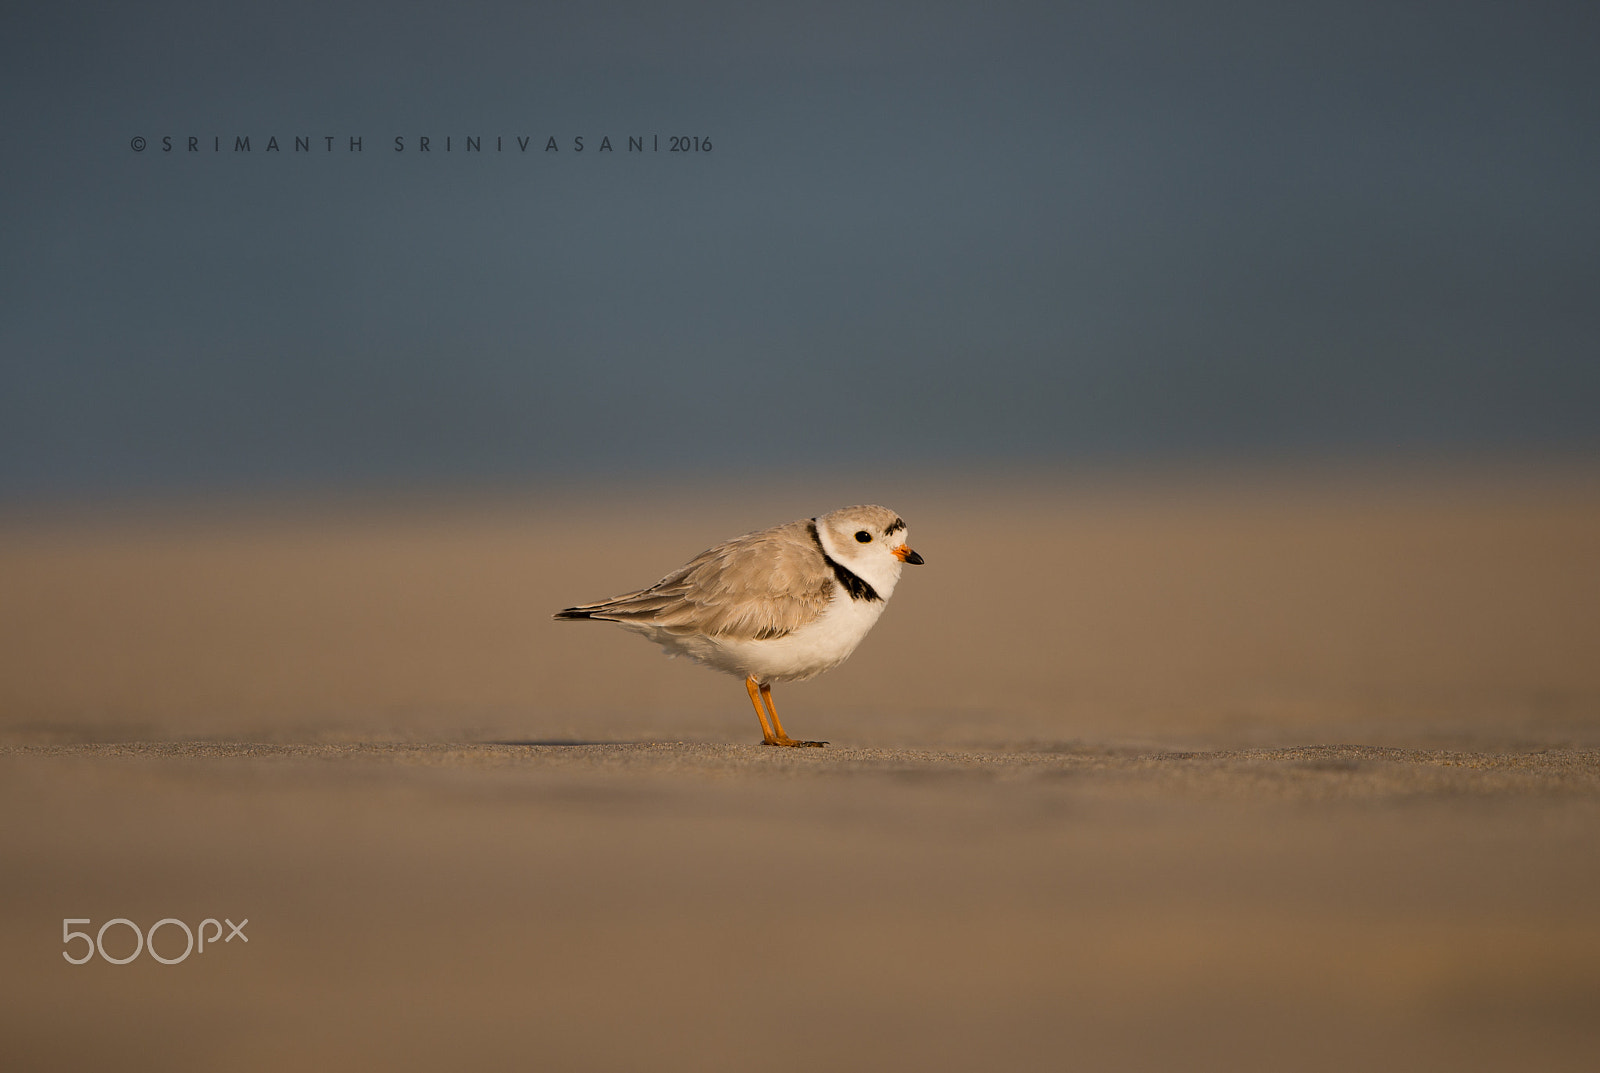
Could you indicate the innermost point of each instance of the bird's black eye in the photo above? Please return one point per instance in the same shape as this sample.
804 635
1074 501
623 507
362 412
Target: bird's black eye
864 537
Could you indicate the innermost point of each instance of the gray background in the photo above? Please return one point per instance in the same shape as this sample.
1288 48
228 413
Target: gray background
925 232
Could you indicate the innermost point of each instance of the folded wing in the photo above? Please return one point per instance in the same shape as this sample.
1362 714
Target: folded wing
756 587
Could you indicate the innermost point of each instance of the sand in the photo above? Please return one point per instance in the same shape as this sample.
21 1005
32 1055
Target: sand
1293 771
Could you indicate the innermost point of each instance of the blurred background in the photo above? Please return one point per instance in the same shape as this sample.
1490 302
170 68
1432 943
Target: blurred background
939 233
1236 367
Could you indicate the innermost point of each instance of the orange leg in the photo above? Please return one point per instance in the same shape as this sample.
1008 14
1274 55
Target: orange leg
767 737
782 738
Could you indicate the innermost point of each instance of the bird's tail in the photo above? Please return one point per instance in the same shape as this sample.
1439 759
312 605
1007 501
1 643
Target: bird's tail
574 613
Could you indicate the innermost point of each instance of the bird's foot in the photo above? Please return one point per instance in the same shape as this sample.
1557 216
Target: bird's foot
786 740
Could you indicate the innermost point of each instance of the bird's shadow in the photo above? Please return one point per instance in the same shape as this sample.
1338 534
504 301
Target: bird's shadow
568 743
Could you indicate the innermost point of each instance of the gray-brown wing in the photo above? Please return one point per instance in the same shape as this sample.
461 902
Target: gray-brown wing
757 586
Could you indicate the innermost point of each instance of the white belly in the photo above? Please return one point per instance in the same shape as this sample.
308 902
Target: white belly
805 653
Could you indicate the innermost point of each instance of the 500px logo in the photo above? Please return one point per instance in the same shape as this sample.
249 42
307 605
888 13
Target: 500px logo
146 940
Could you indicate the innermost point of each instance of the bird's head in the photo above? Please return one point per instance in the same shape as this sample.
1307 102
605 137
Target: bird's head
870 541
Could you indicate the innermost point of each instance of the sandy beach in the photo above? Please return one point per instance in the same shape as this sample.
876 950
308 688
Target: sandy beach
1144 772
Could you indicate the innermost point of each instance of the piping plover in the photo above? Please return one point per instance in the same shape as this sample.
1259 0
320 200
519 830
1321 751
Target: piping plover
781 605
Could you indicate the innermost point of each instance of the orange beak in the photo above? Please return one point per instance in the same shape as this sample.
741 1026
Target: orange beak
906 555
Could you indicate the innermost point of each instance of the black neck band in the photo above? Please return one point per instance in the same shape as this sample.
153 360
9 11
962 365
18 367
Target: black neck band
855 586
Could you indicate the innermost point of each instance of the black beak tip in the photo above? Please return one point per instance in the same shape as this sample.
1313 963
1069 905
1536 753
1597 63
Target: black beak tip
914 559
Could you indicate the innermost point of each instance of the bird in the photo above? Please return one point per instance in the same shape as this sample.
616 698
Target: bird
778 605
